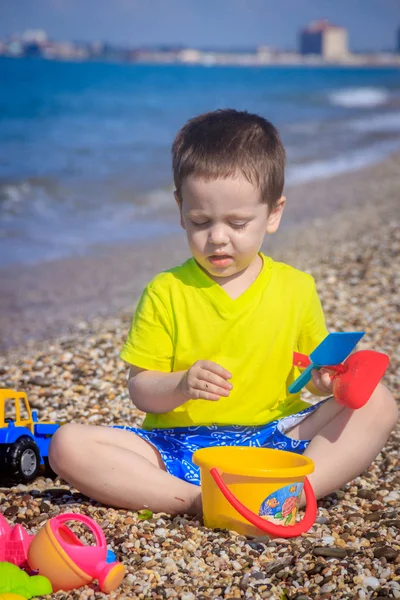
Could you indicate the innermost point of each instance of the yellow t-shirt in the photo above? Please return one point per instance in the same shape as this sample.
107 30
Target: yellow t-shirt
184 316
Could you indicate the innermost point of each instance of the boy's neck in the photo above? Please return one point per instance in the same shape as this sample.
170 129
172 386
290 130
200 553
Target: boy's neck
237 284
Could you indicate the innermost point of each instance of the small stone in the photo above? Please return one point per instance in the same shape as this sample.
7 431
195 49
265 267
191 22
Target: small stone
39 381
256 546
243 585
393 496
258 575
386 552
330 552
366 494
44 507
11 511
392 523
278 565
262 539
328 539
321 521
371 582
58 492
373 516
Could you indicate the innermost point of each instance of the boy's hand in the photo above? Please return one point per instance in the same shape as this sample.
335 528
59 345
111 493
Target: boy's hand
322 381
206 380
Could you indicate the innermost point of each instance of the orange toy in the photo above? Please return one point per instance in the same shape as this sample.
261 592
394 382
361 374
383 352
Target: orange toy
59 555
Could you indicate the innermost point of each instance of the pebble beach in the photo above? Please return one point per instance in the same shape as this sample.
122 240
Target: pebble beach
353 550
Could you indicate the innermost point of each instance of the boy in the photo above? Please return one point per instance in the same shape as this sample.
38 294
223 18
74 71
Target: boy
211 344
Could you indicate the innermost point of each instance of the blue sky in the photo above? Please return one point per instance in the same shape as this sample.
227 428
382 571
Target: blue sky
202 23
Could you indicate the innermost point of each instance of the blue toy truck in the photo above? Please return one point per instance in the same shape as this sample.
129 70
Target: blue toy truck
24 440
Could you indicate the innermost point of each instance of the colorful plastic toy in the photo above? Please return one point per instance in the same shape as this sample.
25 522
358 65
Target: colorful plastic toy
58 554
13 581
331 351
14 543
255 490
24 440
353 381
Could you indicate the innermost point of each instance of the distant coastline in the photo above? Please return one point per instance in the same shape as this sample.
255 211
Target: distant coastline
193 57
36 44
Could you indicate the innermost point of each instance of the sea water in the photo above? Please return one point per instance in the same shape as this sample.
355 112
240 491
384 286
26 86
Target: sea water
85 147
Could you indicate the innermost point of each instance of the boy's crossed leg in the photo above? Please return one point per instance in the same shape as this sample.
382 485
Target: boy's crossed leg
344 442
120 469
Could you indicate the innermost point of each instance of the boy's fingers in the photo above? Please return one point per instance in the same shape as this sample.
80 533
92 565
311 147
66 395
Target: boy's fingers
209 393
212 367
215 381
211 397
316 376
211 388
331 374
326 379
321 379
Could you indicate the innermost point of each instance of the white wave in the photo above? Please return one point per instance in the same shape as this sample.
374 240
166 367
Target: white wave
13 197
160 198
360 97
350 161
389 122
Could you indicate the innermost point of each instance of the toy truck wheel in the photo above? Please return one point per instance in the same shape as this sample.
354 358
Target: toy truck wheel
23 459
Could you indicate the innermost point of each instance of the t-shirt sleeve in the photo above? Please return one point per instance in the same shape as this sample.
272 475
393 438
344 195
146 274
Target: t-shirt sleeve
149 344
313 328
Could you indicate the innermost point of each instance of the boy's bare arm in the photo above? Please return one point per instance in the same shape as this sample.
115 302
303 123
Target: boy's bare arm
154 391
158 392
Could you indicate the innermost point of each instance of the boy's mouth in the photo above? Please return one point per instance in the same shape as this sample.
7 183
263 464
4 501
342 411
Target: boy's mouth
220 260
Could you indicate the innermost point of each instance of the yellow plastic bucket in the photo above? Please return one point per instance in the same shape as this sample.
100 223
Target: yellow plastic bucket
255 490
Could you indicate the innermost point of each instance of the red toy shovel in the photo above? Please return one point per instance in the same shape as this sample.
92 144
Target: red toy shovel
356 378
362 372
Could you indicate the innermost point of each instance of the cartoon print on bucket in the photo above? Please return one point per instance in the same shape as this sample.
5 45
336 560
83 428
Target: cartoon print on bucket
280 507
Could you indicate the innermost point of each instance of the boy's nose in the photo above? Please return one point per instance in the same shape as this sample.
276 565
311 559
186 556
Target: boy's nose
218 235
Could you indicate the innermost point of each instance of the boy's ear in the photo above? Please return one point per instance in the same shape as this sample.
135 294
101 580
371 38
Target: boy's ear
179 203
274 217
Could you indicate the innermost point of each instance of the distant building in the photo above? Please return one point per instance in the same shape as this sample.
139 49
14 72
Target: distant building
190 56
324 39
36 36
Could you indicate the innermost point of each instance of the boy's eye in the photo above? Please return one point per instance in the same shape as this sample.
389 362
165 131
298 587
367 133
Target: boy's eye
200 223
238 225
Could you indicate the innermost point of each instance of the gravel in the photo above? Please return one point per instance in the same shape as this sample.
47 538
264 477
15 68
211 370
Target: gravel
353 549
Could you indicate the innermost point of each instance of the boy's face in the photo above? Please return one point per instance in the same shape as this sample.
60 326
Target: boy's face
225 223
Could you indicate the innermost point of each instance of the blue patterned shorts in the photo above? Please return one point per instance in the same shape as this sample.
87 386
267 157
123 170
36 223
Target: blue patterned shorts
176 446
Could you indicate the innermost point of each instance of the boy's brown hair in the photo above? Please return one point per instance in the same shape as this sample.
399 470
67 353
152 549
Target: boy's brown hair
226 142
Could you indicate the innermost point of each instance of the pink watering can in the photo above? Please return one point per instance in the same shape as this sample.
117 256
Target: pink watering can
59 555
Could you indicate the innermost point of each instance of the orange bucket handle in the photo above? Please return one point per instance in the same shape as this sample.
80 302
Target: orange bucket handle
283 531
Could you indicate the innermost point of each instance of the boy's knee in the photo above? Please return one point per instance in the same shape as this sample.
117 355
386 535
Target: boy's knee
62 445
384 407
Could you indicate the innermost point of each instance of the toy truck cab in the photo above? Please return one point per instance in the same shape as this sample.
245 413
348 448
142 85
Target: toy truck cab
24 440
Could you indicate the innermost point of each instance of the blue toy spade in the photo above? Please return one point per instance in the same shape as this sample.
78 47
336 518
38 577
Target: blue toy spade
333 350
